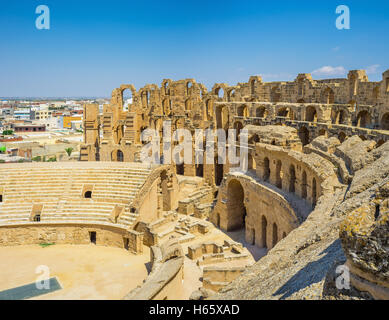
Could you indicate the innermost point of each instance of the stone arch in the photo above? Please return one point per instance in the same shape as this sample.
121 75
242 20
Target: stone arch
127 99
279 174
189 88
328 96
266 169
235 205
263 232
219 171
221 117
385 121
340 117
304 135
242 111
314 192
219 91
323 132
292 178
120 156
283 112
231 94
342 137
304 185
364 119
188 104
261 112
311 114
275 235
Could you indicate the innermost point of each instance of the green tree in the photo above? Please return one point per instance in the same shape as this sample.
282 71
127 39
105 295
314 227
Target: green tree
69 151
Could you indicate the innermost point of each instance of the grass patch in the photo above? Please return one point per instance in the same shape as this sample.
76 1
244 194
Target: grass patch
45 245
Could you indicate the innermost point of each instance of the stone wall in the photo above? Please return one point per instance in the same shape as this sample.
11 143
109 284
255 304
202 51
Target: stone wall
27 234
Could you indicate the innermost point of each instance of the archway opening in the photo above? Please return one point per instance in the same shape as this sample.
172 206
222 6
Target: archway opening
314 195
266 169
218 172
364 119
264 232
292 178
304 135
311 114
385 121
279 174
275 234
127 99
235 206
119 156
342 137
304 186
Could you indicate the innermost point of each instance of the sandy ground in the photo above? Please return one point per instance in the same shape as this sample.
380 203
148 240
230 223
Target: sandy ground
84 271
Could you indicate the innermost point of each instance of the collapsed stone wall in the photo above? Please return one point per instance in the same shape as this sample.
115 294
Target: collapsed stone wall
333 107
302 265
165 279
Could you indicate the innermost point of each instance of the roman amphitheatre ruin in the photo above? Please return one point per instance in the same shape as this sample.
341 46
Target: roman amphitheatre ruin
315 197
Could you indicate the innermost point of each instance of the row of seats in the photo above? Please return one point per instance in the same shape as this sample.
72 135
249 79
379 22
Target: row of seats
71 192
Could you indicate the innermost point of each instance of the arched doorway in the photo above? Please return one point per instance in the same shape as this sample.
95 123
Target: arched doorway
266 169
385 121
218 172
311 114
119 156
236 209
279 174
314 195
264 232
275 234
292 178
304 186
363 119
304 135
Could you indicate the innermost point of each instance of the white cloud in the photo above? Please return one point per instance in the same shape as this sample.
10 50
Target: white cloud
372 69
330 71
336 49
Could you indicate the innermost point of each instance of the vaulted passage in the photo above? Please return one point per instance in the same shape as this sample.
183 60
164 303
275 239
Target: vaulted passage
235 206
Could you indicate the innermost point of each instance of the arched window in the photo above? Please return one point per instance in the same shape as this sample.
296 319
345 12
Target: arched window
314 195
311 114
279 174
264 232
292 178
88 195
120 157
363 119
304 186
385 121
275 234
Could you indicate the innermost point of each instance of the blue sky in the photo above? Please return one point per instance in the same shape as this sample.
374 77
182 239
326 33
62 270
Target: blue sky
94 46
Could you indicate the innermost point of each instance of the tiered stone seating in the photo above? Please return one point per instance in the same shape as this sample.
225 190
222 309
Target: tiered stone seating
59 188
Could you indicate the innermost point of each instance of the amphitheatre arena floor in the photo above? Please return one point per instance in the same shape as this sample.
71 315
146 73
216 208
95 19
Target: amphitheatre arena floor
100 273
83 271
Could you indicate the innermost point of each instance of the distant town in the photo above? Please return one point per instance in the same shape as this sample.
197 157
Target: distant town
42 129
